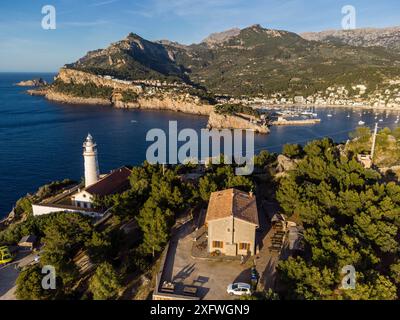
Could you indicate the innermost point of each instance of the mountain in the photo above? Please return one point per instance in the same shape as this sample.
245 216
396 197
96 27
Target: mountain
253 61
388 38
133 58
221 37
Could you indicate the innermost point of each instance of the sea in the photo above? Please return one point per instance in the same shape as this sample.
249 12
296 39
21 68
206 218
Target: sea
41 141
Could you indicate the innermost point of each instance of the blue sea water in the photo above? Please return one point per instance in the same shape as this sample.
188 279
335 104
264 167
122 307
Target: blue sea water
41 141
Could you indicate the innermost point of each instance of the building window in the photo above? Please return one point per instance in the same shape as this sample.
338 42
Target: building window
244 246
218 244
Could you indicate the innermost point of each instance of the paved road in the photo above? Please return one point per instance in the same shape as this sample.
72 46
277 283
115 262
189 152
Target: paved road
9 274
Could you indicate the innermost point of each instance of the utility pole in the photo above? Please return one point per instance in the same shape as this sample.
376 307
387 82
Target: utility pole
374 142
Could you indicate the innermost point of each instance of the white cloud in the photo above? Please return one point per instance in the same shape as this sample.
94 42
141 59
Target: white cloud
102 3
83 24
184 8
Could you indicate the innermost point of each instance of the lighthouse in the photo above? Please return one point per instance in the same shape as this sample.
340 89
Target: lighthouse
91 162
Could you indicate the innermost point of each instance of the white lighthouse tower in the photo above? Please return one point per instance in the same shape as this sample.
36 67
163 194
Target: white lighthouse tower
91 162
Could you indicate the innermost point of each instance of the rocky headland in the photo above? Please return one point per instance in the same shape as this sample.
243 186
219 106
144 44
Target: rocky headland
32 83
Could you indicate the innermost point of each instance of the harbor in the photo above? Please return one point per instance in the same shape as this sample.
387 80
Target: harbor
301 115
290 116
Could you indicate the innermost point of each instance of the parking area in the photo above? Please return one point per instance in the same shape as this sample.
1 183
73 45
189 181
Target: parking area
211 277
9 274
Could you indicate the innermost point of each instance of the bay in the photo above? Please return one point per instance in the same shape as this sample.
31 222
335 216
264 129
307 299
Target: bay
41 141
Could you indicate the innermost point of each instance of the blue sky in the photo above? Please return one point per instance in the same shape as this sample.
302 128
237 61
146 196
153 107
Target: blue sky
84 25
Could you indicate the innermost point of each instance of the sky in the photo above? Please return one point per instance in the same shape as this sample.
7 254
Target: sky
84 25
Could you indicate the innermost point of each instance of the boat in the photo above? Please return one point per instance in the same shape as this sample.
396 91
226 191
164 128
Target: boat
348 116
329 115
380 120
361 123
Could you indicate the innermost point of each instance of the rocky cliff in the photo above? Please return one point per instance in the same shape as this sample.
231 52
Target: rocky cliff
65 98
166 103
141 95
32 83
223 121
79 77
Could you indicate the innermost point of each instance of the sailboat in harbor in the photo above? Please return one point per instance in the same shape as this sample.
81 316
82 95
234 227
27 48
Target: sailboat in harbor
361 123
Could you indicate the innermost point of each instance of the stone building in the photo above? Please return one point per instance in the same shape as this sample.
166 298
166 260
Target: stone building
232 221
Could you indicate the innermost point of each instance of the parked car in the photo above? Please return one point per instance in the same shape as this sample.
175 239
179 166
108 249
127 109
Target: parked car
36 259
5 255
239 289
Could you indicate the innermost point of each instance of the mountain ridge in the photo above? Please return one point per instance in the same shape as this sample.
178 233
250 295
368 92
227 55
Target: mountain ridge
276 64
388 37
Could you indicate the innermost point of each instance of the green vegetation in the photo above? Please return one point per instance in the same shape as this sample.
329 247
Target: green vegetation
63 237
223 177
205 96
264 158
387 152
350 217
23 207
232 109
269 295
129 96
292 150
105 283
53 188
29 285
255 62
88 90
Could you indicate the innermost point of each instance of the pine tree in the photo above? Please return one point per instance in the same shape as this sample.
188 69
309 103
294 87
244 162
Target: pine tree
155 224
105 283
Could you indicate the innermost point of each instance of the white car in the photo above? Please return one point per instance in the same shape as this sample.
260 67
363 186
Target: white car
239 289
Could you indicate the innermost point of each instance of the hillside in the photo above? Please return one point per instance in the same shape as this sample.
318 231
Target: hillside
132 58
388 38
255 61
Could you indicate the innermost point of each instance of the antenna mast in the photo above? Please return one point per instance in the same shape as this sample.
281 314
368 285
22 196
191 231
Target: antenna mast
374 142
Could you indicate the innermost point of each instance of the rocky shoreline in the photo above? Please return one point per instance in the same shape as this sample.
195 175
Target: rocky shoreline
32 83
145 96
222 121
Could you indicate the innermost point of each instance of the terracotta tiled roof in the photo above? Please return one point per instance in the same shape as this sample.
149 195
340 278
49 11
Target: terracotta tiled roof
114 182
232 202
